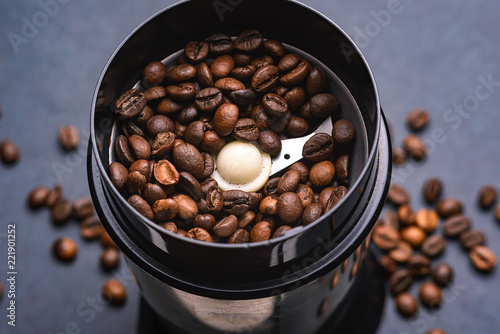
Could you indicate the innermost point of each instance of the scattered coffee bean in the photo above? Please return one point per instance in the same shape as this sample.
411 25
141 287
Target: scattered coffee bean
114 292
9 152
427 220
415 147
38 197
432 190
65 249
419 265
472 238
398 156
435 331
430 294
414 235
433 245
402 252
91 228
448 207
417 119
398 195
385 237
406 215
406 304
442 274
455 225
487 196
69 137
83 207
483 258
110 258
54 196
388 265
61 211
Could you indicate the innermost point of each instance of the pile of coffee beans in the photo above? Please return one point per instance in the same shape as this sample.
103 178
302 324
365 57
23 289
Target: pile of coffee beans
223 89
411 240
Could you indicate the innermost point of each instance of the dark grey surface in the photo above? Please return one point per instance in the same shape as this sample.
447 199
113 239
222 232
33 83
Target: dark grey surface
430 54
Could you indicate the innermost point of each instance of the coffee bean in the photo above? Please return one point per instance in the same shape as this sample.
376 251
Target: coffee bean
65 249
144 116
311 213
324 195
162 144
402 252
406 215
385 237
228 84
154 94
342 169
293 69
483 258
435 331
246 130
398 195
188 158
9 152
430 294
226 226
268 205
110 258
406 304
318 147
225 118
205 221
455 225
427 220
417 119
289 181
130 104
322 173
269 142
472 238
316 82
279 124
118 175
265 79
196 51
214 199
415 147
449 207
343 133
198 233
248 41
138 203
433 245
336 196
106 240
209 165
140 147
320 106
165 209
153 73
83 207
243 98
274 105
388 265
303 169
135 182
487 196
181 73
212 142
432 190
289 208
54 196
295 98
240 236
442 274
187 207
260 232
158 124
280 231
222 66
91 228
153 192
246 219
69 137
237 202
181 92
114 292
61 211
143 167
167 106
400 281
38 197
398 156
414 235
419 265
297 127
189 185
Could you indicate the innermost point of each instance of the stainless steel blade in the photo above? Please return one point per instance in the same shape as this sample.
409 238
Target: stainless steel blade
291 149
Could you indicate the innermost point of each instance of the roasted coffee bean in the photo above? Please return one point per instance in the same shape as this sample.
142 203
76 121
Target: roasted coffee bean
155 94
483 258
38 197
402 252
54 196
214 199
209 165
158 124
385 237
140 147
311 213
196 51
207 184
168 106
65 249
246 130
188 158
279 124
414 235
280 231
242 98
432 190
406 215
268 205
152 193
427 220
419 265
398 195
336 196
181 92
406 304
260 117
303 169
320 106
181 73
248 41
442 274
274 105
435 331
83 207
69 137
228 84
205 221
271 186
289 208
289 182
318 147
322 173
246 219
130 128
269 142
166 173
204 75
418 118
114 292
226 226
165 209
297 127
398 156
324 195
144 116
9 152
91 228
236 202
187 207
198 233
130 104
343 133
400 281
262 61
244 73
153 74
265 79
220 44
487 196
222 66
188 115
342 169
225 118
61 211
274 47
316 82
110 258
430 294
415 147
455 225
162 145
212 142
294 69
106 240
449 207
240 236
388 265
189 185
433 245
472 238
138 203
260 232
195 132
